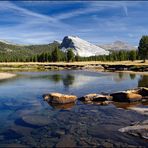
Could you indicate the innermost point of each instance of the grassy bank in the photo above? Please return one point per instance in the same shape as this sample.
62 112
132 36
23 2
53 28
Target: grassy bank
136 66
138 62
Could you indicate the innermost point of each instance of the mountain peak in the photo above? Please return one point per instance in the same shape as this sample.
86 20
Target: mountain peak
81 47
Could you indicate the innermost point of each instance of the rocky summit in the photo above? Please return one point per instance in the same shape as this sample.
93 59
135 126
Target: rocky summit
81 47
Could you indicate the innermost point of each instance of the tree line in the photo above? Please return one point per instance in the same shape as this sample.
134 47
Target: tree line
56 55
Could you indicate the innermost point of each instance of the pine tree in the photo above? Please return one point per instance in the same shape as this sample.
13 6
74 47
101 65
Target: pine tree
56 55
77 57
70 55
132 55
143 48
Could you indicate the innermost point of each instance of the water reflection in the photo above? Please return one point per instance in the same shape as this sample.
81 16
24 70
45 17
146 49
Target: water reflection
143 81
121 75
68 80
129 105
66 106
132 76
56 78
126 105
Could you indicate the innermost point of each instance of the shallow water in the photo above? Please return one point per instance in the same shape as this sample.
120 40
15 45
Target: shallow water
25 119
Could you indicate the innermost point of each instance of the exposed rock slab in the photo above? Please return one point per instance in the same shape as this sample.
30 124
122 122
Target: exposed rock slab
58 98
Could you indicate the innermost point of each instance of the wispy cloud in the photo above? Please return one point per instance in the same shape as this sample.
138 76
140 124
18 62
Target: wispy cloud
28 22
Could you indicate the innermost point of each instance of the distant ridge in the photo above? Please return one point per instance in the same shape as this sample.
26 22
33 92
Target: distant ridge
6 42
118 45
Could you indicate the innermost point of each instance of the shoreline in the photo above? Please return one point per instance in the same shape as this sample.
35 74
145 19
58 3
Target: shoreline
136 67
6 75
134 72
137 62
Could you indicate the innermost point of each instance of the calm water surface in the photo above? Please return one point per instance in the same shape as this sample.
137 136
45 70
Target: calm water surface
26 120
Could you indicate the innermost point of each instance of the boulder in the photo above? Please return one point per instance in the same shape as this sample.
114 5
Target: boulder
126 96
58 98
95 97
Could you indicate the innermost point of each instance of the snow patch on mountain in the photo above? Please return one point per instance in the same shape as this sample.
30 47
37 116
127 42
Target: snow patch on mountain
81 47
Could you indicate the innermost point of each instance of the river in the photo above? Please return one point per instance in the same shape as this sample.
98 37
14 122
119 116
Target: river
27 120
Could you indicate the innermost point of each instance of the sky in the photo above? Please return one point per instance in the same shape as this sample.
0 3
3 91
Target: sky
99 22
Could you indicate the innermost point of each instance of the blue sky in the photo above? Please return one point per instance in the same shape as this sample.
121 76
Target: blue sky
40 22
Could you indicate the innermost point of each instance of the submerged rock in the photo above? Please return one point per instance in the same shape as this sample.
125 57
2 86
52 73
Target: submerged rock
58 98
95 97
36 120
24 131
139 129
126 96
141 110
66 141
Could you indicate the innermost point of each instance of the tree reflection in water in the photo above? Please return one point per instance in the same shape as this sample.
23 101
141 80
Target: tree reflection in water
143 81
132 76
56 78
120 74
68 80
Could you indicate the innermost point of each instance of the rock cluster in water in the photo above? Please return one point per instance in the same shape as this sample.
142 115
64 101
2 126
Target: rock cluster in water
139 129
139 94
